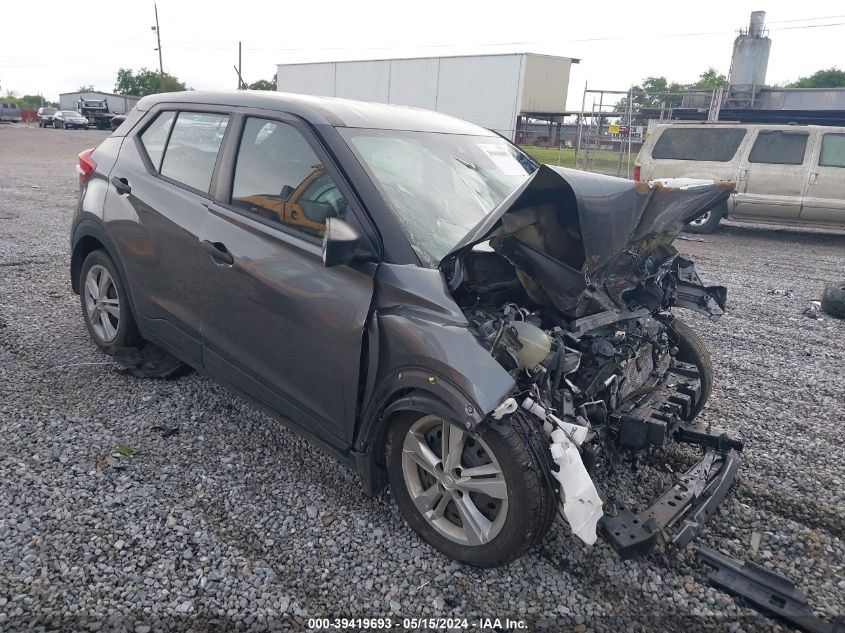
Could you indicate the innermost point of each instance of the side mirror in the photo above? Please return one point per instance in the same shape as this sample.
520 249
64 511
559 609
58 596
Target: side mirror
340 241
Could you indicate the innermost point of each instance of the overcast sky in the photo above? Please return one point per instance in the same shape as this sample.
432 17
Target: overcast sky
77 43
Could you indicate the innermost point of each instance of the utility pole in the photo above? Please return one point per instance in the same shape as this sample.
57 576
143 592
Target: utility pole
158 39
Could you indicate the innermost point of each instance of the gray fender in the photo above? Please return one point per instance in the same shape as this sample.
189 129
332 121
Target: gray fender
420 342
90 228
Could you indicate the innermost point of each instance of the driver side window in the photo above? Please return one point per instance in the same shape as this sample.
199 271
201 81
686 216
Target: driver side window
279 178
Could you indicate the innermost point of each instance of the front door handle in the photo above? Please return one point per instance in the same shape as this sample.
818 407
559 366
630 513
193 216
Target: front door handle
743 174
121 184
218 251
814 177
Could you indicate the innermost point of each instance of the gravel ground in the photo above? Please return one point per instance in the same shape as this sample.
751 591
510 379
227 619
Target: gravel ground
236 522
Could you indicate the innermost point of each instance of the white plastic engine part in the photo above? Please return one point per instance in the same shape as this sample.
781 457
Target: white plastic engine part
506 408
575 432
582 505
536 344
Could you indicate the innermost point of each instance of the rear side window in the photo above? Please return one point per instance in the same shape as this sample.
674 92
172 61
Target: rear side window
192 148
713 144
279 178
833 151
155 136
779 148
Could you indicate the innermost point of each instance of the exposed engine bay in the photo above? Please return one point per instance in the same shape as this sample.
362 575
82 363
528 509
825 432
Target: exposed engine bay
583 323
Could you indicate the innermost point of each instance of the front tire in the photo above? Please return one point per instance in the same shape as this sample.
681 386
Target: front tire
833 300
691 349
480 499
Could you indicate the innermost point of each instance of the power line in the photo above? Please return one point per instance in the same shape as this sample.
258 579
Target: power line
822 17
191 45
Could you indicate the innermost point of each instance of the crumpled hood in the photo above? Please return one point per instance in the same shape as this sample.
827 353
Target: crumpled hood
567 230
614 213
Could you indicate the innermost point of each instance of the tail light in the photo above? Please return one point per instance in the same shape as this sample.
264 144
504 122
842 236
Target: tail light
636 175
86 165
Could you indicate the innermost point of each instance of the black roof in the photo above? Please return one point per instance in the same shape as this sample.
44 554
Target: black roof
324 110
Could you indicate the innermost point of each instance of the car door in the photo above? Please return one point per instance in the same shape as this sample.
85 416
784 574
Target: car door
772 174
155 209
824 200
277 324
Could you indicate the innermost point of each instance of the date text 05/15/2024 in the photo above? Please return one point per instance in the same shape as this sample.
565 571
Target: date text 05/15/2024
412 624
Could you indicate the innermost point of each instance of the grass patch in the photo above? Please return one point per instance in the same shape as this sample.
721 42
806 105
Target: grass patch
606 162
126 451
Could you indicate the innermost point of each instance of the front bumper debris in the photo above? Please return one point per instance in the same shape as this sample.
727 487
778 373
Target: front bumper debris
765 590
679 514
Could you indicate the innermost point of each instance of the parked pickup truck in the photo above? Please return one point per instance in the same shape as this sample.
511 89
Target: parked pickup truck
96 111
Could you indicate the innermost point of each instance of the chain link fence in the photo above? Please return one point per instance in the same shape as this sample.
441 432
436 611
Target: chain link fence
604 149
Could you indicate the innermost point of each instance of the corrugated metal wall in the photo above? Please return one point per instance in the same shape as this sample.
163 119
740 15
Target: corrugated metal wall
801 99
484 89
119 104
413 82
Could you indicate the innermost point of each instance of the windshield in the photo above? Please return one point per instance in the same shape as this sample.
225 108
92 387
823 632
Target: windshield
48 110
439 186
69 113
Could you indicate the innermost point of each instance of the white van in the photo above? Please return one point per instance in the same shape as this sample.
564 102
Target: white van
784 174
10 111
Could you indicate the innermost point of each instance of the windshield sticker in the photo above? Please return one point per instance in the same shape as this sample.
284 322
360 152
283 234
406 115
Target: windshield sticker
503 159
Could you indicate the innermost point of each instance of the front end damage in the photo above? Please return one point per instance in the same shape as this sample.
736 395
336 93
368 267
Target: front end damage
570 285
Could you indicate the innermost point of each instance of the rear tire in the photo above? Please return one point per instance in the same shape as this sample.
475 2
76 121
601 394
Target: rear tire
499 529
105 307
708 222
691 349
833 300
111 323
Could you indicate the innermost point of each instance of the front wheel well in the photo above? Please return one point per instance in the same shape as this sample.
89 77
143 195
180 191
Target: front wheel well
413 402
84 247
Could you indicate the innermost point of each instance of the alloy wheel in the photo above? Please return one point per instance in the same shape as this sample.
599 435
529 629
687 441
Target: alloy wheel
455 481
701 220
102 303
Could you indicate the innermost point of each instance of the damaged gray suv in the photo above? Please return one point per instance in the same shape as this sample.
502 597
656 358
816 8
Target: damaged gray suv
419 297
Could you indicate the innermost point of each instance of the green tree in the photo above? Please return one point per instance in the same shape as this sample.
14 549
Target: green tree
145 82
86 88
263 84
653 92
829 78
34 101
710 79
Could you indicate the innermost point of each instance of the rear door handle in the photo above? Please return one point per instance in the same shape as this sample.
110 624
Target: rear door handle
814 178
218 251
121 184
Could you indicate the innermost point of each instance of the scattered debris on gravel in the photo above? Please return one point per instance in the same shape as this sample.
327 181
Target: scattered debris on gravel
213 513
